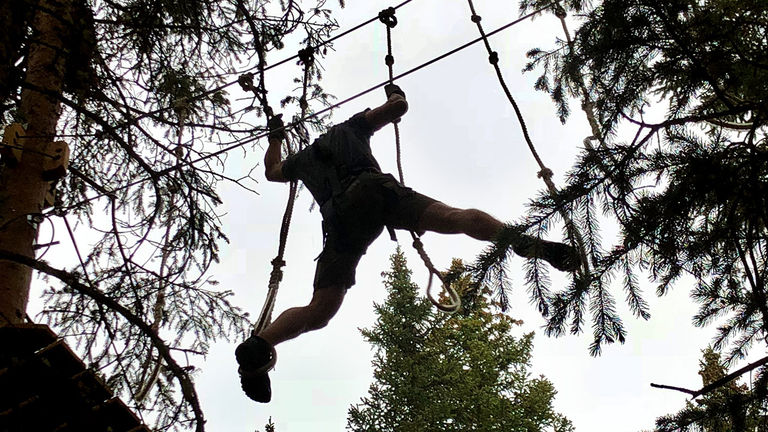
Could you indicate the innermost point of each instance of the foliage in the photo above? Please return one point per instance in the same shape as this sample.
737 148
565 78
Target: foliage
688 191
269 427
461 372
148 115
729 408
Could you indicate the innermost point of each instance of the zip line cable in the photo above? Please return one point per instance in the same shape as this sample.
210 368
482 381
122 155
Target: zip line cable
256 137
544 173
268 67
387 16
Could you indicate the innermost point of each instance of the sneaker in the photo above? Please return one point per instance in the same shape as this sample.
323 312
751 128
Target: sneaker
256 358
561 256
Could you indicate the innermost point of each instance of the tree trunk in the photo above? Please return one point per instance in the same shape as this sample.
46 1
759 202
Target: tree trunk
22 188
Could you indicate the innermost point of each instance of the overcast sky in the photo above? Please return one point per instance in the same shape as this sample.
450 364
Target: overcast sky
463 146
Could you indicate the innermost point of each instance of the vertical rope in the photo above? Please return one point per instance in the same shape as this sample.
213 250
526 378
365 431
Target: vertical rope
544 173
387 16
306 56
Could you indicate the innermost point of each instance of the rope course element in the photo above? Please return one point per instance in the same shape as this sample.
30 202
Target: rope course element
387 16
307 58
261 67
544 172
256 137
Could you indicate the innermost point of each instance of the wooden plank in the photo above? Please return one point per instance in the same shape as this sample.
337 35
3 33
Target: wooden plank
24 339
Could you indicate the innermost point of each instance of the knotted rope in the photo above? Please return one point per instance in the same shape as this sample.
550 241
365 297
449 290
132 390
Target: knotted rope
387 16
544 173
306 57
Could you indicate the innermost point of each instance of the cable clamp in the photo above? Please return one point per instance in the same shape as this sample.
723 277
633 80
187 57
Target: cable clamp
389 60
476 18
307 55
246 82
387 16
493 58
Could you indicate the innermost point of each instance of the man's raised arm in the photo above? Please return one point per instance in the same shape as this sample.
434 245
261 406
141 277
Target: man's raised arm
273 159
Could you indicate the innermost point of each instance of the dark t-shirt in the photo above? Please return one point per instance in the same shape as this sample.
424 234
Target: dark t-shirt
343 151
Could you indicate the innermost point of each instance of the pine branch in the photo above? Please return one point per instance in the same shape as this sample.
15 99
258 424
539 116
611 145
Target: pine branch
71 280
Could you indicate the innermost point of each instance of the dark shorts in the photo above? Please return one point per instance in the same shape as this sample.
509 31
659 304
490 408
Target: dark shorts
353 220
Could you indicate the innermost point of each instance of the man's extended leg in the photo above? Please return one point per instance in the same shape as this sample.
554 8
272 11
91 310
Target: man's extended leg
444 219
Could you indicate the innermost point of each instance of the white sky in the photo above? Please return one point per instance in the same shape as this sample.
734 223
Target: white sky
462 145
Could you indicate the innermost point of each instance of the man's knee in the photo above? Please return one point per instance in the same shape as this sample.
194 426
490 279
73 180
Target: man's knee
324 305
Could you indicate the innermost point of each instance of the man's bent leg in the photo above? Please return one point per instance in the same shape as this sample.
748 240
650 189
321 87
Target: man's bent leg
255 356
444 219
298 320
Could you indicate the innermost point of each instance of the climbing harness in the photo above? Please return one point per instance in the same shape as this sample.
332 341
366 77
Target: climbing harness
544 173
387 16
306 57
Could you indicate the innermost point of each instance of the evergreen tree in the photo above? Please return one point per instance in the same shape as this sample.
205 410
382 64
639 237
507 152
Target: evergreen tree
729 408
141 92
689 190
461 372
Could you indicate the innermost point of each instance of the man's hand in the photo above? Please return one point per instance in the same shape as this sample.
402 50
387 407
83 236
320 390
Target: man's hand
391 89
276 127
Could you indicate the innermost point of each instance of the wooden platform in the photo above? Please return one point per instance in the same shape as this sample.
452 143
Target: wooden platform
45 387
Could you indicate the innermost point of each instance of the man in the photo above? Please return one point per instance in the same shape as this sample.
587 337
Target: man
357 200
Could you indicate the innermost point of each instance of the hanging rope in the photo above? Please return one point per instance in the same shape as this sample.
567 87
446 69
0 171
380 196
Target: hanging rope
544 172
241 143
306 57
586 102
387 16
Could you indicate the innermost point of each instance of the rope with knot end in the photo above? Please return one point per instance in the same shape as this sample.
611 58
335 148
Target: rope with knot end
544 173
387 16
306 57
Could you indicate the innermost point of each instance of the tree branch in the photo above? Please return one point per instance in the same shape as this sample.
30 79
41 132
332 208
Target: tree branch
718 383
71 280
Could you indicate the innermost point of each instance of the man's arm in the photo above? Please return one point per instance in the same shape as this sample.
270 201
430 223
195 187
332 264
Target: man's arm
273 159
273 164
393 108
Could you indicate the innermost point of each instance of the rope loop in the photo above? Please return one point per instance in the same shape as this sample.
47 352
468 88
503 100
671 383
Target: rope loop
454 304
387 16
307 55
